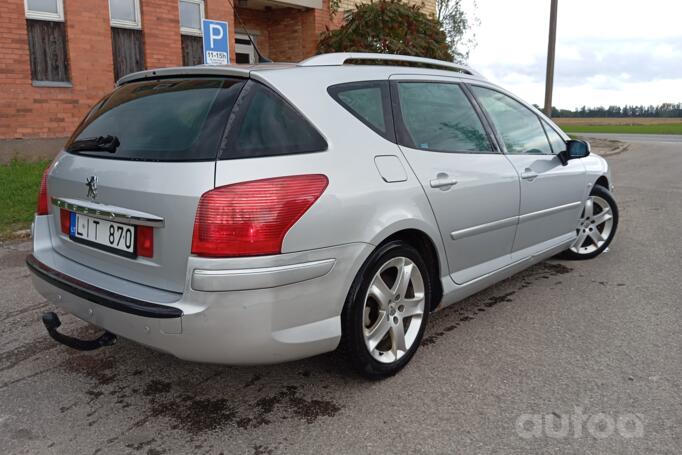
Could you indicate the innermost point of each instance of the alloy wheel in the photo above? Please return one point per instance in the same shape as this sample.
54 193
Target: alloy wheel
595 227
393 311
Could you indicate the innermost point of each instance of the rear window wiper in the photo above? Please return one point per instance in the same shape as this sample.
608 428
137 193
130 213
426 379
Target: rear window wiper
107 144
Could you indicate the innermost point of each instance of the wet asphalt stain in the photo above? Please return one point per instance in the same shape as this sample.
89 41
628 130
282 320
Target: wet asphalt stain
156 387
177 403
13 357
467 310
262 450
199 415
141 445
99 369
195 415
255 378
494 300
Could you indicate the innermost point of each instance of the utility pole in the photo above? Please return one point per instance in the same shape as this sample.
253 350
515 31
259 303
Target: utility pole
549 81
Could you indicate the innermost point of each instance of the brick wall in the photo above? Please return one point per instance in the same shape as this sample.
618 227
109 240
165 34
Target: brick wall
288 34
257 23
161 28
46 112
27 111
221 10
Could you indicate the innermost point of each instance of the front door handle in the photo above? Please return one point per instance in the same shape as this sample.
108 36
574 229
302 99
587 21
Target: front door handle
443 181
529 174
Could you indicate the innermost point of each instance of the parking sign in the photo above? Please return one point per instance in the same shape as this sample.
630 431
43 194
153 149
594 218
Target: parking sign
216 46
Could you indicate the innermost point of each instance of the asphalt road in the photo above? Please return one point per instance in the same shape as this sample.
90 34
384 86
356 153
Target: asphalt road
597 344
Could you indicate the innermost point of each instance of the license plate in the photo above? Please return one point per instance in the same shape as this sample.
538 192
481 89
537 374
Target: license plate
107 235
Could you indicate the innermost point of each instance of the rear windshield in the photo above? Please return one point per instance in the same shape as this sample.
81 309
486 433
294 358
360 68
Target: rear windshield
160 120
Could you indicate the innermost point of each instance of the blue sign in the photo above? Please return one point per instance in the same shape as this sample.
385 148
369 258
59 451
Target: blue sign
216 46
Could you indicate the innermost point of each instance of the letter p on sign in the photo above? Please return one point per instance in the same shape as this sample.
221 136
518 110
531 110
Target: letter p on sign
216 46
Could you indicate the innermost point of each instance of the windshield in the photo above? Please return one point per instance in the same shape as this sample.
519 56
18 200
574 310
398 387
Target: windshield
160 120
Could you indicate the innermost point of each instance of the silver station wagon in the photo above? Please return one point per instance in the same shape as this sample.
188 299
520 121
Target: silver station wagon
260 214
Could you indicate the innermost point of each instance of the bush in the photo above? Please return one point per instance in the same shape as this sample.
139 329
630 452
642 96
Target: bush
388 27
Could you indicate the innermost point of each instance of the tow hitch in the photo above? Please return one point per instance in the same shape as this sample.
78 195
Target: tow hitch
52 322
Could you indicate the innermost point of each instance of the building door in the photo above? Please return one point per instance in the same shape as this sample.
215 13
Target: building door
244 50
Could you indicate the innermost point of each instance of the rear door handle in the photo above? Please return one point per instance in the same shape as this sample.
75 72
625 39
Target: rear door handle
529 174
443 181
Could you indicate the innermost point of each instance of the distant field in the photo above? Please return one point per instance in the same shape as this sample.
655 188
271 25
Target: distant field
621 125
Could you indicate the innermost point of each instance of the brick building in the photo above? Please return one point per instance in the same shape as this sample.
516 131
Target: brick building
58 57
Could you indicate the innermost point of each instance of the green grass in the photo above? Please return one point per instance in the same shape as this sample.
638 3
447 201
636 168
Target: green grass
661 128
19 185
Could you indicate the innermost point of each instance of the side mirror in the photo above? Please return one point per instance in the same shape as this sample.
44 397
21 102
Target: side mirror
574 149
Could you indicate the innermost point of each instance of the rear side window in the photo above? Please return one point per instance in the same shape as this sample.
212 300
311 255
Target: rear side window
264 124
368 101
160 120
439 117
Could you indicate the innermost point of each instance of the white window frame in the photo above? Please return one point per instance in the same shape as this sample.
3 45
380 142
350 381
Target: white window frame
45 16
193 31
137 25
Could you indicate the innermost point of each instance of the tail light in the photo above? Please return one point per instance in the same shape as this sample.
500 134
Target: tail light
252 218
145 241
42 195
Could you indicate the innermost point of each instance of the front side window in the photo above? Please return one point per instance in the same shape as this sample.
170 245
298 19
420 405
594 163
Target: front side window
439 117
160 120
369 102
266 125
518 126
556 141
47 42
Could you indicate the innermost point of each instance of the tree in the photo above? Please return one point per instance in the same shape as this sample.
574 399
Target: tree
388 27
456 24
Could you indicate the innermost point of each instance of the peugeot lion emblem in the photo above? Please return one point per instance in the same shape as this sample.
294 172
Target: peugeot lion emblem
91 183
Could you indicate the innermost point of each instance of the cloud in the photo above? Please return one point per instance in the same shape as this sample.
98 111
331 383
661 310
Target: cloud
581 60
608 51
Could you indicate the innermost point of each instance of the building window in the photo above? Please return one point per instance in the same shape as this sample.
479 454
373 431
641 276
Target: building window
191 14
125 13
47 41
244 50
126 37
47 10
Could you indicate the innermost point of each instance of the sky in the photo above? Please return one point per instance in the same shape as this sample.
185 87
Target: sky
608 52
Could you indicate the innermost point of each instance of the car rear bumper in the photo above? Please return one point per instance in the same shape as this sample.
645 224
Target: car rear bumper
232 311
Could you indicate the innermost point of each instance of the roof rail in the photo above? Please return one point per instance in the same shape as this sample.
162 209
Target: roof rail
339 58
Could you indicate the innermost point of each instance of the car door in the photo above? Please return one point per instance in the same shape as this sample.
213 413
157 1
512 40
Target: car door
551 193
472 187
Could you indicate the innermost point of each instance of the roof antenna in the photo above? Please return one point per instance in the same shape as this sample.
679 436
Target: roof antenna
261 57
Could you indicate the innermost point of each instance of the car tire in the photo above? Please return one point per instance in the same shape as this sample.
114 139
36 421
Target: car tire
596 231
383 320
